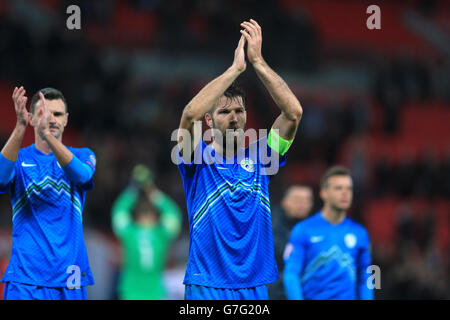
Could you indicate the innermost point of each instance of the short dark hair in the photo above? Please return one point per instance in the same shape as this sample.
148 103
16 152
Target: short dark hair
233 91
49 94
331 172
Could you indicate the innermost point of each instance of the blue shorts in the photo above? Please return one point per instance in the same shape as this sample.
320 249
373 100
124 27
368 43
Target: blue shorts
195 292
21 291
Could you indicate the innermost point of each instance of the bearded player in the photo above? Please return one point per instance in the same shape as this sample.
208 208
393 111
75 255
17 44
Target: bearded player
231 253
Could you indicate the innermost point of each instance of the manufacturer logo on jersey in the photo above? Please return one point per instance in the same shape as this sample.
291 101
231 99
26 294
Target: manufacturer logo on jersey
28 164
316 239
248 165
350 240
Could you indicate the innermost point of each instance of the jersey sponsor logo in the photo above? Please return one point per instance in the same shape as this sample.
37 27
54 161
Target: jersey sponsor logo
28 164
248 165
350 240
315 239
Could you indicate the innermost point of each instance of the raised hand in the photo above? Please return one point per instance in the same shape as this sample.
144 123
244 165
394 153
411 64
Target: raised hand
239 56
253 35
44 118
20 105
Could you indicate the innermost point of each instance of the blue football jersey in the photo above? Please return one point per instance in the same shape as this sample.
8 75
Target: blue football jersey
47 235
328 261
231 240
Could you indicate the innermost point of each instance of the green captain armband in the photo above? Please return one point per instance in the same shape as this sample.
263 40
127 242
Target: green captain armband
277 143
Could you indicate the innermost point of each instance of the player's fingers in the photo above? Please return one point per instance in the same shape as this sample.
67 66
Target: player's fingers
246 35
241 43
17 93
257 27
250 28
42 98
21 93
255 24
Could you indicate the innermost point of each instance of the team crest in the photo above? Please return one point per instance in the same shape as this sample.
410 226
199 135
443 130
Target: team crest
350 240
248 165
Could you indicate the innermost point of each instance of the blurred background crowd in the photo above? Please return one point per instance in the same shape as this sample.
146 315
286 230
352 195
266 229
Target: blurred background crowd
376 101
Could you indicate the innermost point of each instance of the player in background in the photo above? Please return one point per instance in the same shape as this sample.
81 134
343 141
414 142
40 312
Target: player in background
231 253
296 205
47 182
146 238
328 254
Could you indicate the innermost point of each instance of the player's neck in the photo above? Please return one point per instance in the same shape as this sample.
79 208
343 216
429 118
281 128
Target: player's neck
42 145
332 215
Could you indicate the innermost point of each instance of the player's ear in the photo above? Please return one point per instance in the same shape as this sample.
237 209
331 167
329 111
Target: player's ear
208 120
32 118
322 194
66 119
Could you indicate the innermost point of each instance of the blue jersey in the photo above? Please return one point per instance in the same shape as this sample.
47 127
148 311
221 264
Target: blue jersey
47 230
231 241
325 261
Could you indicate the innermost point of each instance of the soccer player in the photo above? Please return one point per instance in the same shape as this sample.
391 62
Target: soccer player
231 254
296 205
145 239
47 182
328 253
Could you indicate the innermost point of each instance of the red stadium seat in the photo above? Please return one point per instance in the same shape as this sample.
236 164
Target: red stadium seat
343 24
381 222
442 209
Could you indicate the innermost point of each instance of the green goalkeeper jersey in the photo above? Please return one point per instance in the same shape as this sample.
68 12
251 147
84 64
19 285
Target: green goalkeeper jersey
144 248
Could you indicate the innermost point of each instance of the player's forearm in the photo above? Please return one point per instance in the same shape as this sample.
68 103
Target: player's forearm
279 91
77 171
208 96
6 170
364 293
60 151
292 286
11 149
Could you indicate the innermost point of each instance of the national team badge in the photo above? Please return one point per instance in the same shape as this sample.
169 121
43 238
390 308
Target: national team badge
248 165
350 240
